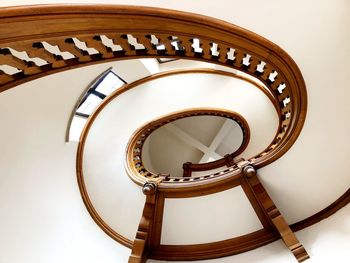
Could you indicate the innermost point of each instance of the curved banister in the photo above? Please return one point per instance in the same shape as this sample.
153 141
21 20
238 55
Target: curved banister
63 37
136 167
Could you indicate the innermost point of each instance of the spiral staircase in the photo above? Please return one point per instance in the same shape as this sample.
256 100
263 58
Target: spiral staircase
173 66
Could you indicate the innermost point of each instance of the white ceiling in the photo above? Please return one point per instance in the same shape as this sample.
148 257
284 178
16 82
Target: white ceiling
196 139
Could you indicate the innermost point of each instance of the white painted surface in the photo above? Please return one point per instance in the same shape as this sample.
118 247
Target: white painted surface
164 143
208 218
131 70
43 218
185 64
151 65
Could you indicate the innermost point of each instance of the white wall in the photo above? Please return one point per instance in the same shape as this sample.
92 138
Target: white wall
43 218
209 218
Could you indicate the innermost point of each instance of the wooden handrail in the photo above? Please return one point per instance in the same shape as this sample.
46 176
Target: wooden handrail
135 164
61 37
227 161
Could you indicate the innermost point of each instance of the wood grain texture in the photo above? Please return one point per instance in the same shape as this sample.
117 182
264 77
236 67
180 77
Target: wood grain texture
141 245
141 32
276 219
138 172
215 249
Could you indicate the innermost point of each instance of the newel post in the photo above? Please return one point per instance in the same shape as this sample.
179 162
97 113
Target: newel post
143 237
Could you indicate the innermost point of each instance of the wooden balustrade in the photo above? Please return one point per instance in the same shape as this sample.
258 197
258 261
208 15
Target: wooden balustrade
63 37
134 150
274 225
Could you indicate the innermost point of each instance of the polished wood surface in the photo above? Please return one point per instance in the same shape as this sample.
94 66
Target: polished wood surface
141 245
141 32
265 202
139 173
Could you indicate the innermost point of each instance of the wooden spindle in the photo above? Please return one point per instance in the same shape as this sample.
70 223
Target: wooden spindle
28 68
146 42
96 43
206 46
5 78
67 45
166 41
254 62
186 42
239 55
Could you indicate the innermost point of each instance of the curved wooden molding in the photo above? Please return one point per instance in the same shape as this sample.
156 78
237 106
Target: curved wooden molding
324 213
187 36
242 243
134 164
215 249
174 187
221 181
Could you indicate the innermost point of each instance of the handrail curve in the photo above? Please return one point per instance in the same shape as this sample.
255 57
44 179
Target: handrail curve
61 37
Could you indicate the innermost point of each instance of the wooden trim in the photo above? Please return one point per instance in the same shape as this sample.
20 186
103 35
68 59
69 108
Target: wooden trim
219 184
158 222
265 221
196 186
141 245
134 163
223 248
26 28
80 177
276 219
224 182
242 243
94 214
324 213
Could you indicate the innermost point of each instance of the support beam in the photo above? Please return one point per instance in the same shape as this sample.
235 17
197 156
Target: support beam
185 137
187 169
219 137
141 244
266 204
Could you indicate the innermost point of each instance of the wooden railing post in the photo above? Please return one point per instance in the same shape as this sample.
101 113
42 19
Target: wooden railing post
141 243
187 169
272 213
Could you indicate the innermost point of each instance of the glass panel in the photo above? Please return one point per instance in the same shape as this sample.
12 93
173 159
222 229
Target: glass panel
76 128
109 84
89 105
